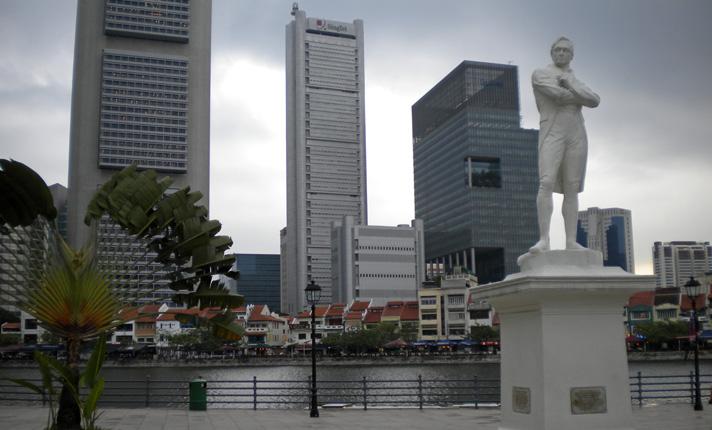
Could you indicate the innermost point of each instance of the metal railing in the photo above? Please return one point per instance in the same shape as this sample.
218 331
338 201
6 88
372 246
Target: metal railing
361 393
254 393
673 388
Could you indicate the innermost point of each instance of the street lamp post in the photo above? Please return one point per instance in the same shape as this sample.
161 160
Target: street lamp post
693 289
313 294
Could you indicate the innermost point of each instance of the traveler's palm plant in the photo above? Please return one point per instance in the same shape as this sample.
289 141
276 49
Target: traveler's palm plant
75 298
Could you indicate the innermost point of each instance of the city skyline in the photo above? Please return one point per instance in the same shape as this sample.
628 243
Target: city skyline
647 60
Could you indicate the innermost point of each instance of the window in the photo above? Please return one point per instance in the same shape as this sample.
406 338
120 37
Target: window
429 300
31 324
430 332
427 317
479 314
482 172
457 299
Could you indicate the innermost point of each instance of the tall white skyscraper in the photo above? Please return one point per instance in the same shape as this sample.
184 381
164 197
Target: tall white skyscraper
326 148
609 230
140 94
675 262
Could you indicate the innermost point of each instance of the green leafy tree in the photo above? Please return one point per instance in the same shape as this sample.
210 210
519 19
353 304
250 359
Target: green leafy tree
364 340
9 339
658 332
483 333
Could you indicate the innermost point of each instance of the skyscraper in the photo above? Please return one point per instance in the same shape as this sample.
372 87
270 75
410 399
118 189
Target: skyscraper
475 171
674 262
609 231
140 94
326 147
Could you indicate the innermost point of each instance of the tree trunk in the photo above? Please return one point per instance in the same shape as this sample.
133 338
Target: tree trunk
69 414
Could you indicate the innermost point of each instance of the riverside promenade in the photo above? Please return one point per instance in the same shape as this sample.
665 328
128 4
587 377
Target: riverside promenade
659 417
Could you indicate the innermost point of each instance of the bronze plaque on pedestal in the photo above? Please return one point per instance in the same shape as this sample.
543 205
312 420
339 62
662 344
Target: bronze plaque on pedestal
521 400
588 400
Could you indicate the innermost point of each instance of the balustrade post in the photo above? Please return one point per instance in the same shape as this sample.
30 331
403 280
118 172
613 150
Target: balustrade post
148 390
477 393
640 389
254 393
365 394
420 392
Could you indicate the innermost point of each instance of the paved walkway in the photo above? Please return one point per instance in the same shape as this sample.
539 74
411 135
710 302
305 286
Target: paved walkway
667 417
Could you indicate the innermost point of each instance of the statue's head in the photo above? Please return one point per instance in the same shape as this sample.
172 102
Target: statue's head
562 51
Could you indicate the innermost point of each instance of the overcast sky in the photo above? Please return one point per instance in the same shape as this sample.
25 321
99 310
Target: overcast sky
650 140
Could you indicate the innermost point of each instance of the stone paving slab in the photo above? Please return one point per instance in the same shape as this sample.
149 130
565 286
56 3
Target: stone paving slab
660 417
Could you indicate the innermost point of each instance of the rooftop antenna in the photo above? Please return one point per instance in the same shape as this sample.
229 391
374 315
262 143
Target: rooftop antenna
295 8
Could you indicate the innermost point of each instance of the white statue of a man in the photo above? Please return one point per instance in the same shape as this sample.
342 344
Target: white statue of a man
562 141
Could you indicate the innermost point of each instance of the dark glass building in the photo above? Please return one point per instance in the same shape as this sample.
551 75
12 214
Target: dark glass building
475 171
259 279
609 230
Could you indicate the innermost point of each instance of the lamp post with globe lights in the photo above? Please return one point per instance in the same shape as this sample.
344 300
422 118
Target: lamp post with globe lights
313 294
693 289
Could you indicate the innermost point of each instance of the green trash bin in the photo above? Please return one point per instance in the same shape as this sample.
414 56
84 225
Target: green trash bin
198 394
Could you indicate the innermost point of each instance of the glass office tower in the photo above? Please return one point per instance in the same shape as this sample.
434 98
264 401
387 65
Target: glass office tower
475 171
259 279
610 231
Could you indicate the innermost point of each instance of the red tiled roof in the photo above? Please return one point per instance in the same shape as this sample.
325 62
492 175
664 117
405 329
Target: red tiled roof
260 317
357 306
11 325
645 298
149 309
240 310
335 310
168 316
686 303
128 314
393 309
304 314
321 310
353 316
373 315
410 312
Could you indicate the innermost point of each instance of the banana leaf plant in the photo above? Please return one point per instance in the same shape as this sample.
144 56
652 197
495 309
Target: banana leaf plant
181 236
75 298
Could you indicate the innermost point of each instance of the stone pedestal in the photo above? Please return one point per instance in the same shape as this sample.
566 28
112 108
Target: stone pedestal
564 363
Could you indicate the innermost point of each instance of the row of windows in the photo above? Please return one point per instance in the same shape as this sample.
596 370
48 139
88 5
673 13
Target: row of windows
142 154
115 21
386 275
144 145
148 9
106 161
138 60
143 119
145 85
152 94
138 127
145 112
179 107
142 136
385 248
180 5
428 300
146 64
